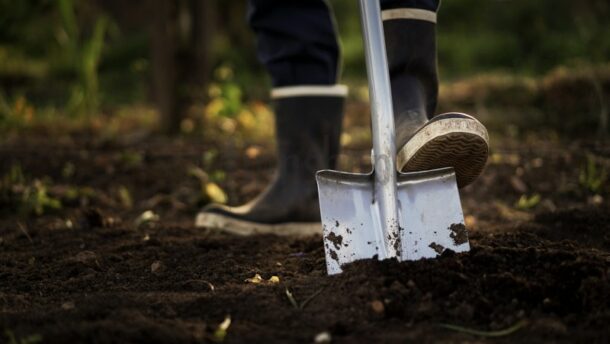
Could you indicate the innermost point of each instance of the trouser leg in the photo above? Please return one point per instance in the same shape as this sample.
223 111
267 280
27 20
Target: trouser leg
296 41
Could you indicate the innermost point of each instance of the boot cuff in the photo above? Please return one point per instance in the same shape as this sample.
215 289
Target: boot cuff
309 90
409 13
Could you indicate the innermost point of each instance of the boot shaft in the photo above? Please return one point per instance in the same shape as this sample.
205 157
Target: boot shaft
410 37
308 126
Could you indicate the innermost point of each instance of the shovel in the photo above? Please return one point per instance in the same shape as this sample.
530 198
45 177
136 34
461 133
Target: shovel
387 214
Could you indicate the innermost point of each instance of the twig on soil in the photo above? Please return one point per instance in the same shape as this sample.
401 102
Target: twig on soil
193 281
302 306
291 299
308 300
499 333
25 232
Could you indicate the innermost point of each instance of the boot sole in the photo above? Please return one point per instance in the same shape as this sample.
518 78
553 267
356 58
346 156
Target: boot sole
234 226
461 143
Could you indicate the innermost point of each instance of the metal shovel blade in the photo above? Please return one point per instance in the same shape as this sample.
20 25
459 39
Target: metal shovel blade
430 218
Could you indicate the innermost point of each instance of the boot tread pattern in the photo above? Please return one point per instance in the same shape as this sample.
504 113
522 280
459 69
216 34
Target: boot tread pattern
465 152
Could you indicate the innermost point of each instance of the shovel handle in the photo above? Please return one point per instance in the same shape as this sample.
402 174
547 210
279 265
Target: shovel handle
382 118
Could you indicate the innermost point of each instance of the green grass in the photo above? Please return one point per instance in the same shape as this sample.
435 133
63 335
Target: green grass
30 339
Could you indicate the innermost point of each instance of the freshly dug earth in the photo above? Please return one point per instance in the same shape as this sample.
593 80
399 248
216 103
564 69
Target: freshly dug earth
536 273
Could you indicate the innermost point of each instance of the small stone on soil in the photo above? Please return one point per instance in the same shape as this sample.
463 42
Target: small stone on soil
66 306
322 337
86 257
377 307
157 267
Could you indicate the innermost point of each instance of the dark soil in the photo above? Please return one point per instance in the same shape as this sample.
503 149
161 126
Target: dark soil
88 273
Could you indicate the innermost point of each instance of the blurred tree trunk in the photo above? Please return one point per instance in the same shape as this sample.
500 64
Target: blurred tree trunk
198 72
180 37
163 64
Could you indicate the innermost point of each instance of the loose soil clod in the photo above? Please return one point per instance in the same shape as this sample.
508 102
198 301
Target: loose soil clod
459 234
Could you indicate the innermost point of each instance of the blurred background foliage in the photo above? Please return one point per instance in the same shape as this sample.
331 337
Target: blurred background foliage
77 58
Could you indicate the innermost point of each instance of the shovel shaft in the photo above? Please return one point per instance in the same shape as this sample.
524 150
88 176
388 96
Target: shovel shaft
382 118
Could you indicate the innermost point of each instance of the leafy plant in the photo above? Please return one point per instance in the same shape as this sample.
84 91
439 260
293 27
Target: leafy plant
10 184
84 54
14 176
35 199
225 94
31 339
15 114
25 196
131 159
125 197
528 202
592 178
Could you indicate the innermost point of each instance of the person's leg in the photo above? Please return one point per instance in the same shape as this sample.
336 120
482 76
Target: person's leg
297 44
425 141
296 41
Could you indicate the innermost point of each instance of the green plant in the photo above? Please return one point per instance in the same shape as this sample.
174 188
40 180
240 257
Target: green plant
68 170
10 184
220 333
528 202
31 339
592 177
14 176
26 197
131 159
15 113
225 94
84 53
35 199
125 197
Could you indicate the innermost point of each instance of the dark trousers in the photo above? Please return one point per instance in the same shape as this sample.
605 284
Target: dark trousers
297 39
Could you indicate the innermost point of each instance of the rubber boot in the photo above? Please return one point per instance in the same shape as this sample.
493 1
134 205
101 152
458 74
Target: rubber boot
308 128
424 141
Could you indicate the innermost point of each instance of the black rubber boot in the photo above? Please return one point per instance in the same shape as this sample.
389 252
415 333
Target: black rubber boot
308 130
411 51
425 142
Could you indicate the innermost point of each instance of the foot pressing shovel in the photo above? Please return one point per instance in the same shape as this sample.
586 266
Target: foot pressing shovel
387 214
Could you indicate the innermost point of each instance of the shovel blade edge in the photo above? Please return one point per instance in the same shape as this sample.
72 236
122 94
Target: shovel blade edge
430 217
